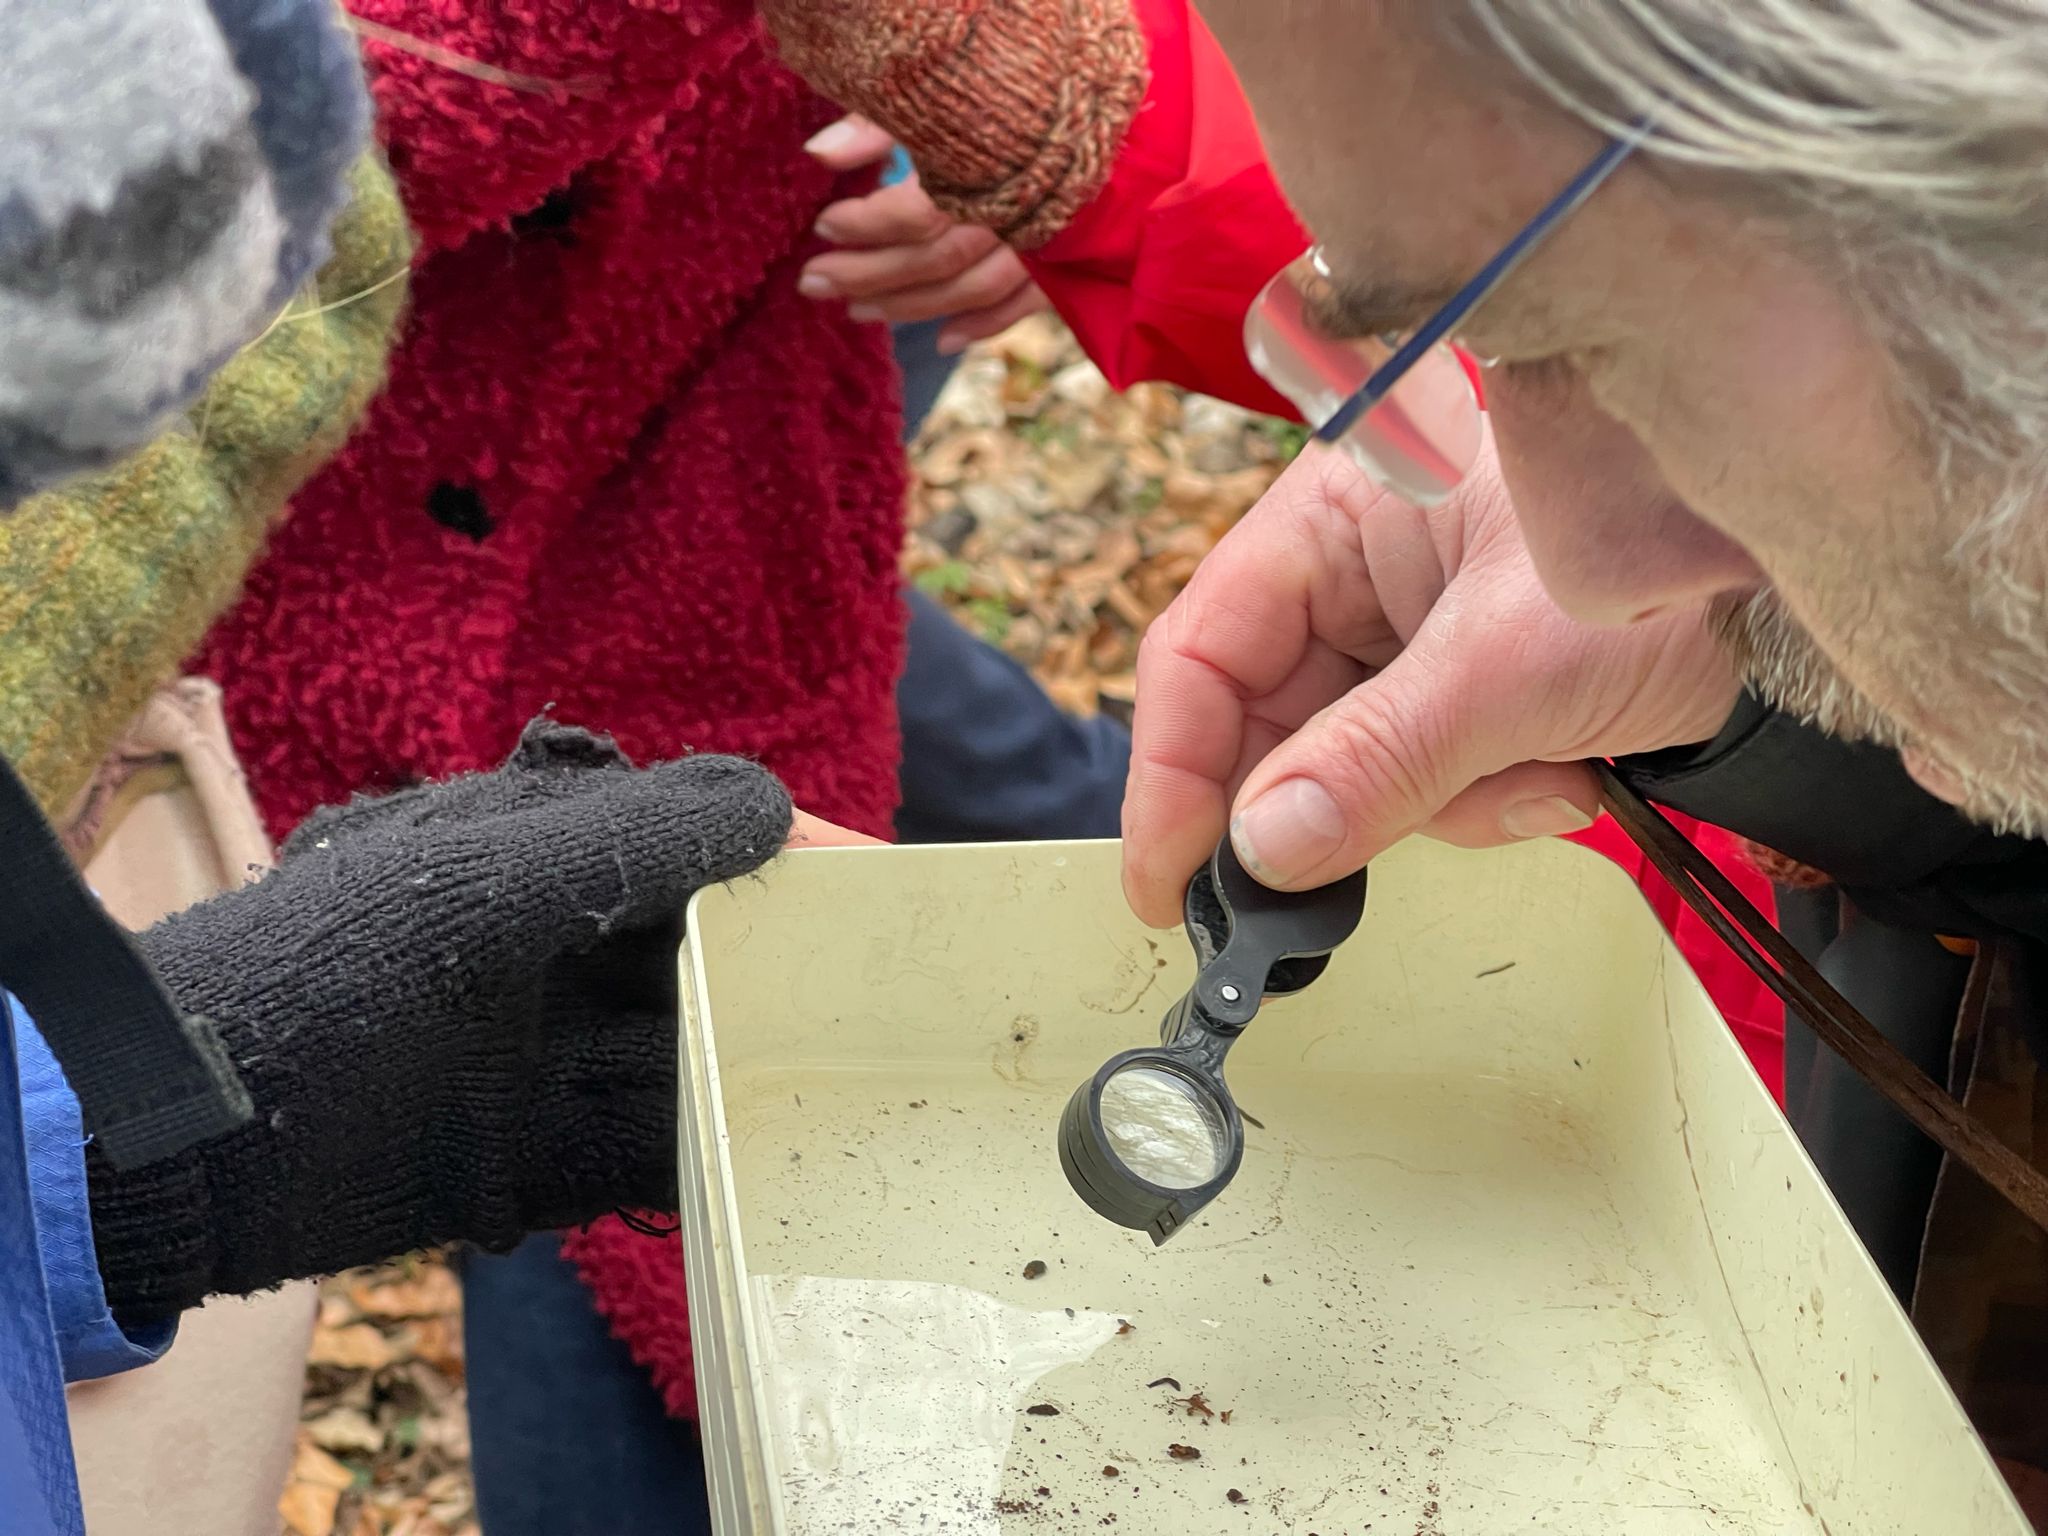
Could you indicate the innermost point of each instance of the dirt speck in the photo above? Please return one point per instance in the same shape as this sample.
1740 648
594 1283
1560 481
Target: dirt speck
1043 1411
1236 1495
1265 1279
1034 1269
1183 1453
1164 1381
1196 1405
1045 1493
1124 1325
1109 1471
1226 1414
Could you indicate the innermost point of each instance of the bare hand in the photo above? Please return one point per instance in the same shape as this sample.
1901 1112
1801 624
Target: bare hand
808 831
1344 670
905 261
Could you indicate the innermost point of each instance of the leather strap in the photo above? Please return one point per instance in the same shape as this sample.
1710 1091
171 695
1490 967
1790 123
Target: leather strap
1838 1022
151 1081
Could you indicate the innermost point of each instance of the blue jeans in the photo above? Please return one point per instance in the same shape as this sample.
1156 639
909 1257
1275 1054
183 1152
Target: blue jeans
568 1435
987 756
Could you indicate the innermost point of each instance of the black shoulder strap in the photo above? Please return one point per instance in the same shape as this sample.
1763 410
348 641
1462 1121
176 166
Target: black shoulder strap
150 1081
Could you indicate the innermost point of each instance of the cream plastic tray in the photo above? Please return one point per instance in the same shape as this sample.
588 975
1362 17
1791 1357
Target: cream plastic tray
1520 1246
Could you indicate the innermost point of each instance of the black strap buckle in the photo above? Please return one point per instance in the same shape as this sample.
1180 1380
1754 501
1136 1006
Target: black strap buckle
150 1080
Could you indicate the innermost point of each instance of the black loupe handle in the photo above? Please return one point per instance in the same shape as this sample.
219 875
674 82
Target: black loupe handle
1154 1136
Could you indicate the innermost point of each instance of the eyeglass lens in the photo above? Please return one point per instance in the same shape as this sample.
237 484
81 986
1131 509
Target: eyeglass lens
1418 442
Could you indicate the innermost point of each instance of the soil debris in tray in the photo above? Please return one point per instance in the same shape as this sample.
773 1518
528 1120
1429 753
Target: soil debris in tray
1034 1269
1164 1381
1109 1471
1183 1453
1225 1415
1015 1507
1236 1496
1196 1404
1124 1325
1043 1411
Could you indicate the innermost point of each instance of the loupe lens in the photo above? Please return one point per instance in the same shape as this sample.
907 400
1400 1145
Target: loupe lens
1163 1127
1147 1143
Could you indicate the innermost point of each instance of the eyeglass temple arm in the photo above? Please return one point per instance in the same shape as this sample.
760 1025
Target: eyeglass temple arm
1474 293
1832 1016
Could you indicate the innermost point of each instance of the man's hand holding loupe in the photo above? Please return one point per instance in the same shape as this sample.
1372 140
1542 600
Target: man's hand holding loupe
1345 670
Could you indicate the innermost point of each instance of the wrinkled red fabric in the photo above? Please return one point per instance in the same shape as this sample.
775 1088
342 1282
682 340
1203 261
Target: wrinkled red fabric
1155 275
623 472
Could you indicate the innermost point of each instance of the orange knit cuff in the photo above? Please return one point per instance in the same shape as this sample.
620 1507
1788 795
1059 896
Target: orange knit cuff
1013 110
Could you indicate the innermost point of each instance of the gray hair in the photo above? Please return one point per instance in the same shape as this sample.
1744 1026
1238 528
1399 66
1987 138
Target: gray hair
1906 141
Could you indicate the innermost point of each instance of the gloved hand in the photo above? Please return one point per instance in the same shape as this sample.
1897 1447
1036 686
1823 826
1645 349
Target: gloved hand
1012 109
454 1010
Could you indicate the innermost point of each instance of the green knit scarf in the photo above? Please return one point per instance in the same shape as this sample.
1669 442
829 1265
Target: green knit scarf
107 585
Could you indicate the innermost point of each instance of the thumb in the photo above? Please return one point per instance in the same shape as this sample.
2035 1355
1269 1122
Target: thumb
1425 744
849 144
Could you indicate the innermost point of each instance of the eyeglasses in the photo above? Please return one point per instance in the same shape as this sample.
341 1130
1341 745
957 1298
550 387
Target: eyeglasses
1403 407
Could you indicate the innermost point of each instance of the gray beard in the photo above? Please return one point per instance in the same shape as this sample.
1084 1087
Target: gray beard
1774 654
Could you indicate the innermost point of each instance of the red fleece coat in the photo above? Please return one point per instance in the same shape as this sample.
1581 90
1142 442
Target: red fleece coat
622 470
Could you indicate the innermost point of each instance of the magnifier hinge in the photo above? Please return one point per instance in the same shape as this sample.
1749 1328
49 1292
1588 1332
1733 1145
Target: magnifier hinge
1154 1136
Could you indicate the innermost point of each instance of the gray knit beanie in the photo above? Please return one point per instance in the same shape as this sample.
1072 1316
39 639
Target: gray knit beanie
168 170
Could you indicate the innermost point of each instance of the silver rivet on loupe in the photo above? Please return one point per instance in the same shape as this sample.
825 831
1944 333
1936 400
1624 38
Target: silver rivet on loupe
1230 993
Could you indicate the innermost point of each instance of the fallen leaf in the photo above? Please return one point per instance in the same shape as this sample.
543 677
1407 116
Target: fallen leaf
358 1347
308 1509
343 1430
438 1341
312 1465
435 1293
313 1492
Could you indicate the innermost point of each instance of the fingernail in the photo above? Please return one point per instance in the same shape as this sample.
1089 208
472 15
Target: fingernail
1288 832
831 139
866 313
1546 816
815 285
824 229
950 344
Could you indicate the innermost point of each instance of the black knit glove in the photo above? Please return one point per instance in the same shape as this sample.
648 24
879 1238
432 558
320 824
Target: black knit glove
454 1010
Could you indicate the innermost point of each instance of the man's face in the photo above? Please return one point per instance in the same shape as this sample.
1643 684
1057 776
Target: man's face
1689 410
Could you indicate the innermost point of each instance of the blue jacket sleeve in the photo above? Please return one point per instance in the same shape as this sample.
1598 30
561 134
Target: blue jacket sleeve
91 1343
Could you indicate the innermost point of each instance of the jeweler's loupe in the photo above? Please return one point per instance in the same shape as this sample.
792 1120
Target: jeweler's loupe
1155 1136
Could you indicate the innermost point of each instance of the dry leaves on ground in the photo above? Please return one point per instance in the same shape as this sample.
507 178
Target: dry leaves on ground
384 1433
1055 518
1058 519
